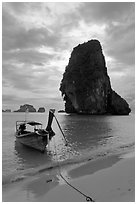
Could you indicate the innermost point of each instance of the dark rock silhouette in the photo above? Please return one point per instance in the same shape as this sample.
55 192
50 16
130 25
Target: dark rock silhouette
7 110
61 111
41 110
26 107
86 86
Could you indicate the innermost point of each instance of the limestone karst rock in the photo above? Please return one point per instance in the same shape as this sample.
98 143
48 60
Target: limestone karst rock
25 107
86 86
41 110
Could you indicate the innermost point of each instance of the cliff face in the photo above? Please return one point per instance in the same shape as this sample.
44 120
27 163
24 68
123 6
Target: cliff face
86 86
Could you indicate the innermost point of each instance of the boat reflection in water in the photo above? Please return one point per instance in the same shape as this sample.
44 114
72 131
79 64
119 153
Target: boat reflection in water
29 157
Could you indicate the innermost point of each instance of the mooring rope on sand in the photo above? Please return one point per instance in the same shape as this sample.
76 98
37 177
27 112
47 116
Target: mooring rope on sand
88 198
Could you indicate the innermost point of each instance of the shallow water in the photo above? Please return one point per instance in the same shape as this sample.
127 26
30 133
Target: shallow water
87 136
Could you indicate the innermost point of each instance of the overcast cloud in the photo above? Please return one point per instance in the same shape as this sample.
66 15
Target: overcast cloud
38 38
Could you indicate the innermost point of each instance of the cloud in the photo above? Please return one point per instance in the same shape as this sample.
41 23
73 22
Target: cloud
38 39
119 21
99 12
17 37
28 56
122 43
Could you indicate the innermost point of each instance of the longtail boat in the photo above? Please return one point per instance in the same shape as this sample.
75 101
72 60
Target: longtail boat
31 133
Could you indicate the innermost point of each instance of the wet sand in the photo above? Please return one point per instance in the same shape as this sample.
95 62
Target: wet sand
111 179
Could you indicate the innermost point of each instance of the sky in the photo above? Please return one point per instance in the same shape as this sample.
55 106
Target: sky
38 38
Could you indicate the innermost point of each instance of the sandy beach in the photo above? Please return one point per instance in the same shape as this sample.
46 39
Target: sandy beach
111 179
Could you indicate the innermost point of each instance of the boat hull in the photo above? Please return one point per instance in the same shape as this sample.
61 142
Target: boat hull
33 140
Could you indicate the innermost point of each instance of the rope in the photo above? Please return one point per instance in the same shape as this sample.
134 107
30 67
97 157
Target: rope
61 130
88 198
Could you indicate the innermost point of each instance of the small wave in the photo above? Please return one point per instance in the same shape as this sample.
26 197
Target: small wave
13 179
20 178
128 145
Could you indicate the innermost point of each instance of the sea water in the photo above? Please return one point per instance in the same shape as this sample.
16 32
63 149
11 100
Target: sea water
88 137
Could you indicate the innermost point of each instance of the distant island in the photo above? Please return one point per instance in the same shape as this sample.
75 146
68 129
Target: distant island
26 107
29 108
7 110
86 86
61 111
41 110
